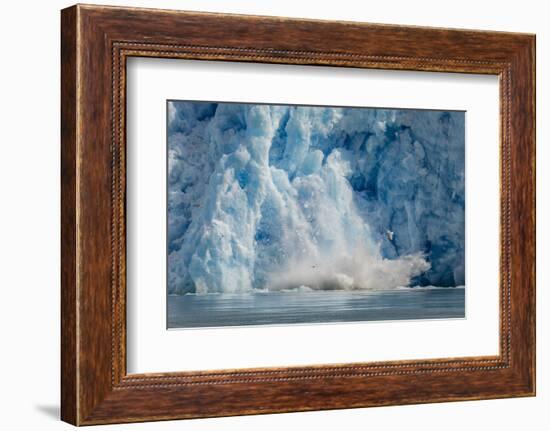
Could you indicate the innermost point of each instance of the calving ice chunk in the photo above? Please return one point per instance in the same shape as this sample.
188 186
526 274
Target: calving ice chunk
275 197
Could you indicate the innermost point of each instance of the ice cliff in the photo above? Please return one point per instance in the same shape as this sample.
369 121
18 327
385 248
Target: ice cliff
278 197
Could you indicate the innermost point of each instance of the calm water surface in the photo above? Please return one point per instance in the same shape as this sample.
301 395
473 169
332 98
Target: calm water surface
281 308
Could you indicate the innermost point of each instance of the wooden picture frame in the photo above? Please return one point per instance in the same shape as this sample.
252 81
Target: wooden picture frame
95 43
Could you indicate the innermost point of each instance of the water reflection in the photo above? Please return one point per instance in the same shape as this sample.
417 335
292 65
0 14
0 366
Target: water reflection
218 310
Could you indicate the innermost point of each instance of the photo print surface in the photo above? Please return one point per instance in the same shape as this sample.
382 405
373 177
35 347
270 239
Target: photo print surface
291 214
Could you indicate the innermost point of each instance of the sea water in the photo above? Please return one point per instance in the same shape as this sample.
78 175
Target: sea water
284 308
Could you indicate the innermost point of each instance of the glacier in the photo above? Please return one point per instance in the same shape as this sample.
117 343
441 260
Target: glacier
279 197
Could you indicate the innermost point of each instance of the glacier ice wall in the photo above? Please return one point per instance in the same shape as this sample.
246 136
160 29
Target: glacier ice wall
274 197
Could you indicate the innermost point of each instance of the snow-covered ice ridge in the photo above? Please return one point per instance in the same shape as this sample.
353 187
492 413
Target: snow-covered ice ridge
274 197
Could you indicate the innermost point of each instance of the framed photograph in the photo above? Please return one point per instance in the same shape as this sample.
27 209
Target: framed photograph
264 214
